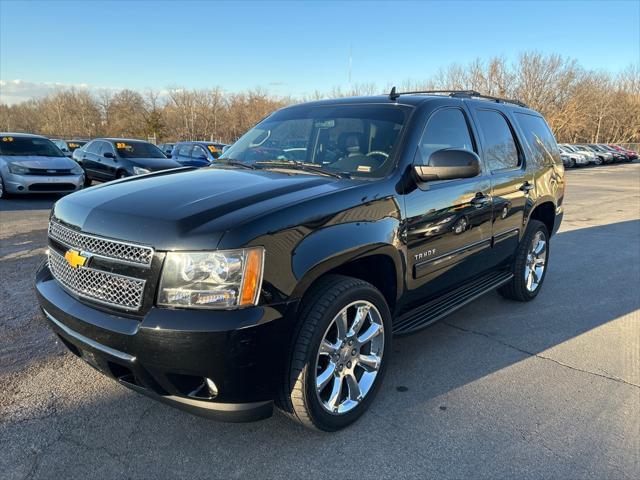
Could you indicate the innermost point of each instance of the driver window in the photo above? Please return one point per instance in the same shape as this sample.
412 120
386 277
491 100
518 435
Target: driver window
446 128
198 152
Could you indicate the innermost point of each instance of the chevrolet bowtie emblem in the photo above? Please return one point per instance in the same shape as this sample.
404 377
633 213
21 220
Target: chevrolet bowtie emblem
75 259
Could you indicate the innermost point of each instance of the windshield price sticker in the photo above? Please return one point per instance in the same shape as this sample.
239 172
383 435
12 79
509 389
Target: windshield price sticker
7 139
122 146
212 149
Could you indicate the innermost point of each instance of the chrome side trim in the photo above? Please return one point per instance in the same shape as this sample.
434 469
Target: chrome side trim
453 253
87 341
506 234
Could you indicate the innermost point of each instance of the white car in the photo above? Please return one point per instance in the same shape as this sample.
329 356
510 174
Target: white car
33 164
571 158
590 155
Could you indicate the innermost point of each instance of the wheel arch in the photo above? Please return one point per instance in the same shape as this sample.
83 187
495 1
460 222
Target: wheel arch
545 211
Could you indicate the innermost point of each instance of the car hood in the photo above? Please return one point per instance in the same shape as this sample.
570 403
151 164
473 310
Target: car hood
154 163
50 163
187 209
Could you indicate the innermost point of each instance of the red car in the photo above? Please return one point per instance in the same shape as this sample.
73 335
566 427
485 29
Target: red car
631 155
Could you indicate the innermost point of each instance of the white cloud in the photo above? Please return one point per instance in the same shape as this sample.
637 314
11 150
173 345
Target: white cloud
16 91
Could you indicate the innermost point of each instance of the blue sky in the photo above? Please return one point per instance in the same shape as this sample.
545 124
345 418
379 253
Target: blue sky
292 47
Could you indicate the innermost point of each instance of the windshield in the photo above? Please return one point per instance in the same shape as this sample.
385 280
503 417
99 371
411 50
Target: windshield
74 144
128 149
28 146
215 150
353 140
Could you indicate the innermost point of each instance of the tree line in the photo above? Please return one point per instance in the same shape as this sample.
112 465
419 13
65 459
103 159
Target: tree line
580 105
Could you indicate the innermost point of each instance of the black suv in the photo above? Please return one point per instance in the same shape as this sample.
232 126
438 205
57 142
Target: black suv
107 159
265 280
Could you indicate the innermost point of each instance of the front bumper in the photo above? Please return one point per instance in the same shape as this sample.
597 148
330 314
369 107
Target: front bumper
21 184
168 354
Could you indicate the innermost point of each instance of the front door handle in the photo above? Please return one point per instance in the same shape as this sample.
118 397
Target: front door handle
526 186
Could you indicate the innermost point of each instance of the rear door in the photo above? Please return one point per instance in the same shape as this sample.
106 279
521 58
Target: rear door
448 221
504 157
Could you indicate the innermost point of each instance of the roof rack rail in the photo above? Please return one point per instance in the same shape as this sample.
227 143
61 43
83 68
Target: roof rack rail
394 94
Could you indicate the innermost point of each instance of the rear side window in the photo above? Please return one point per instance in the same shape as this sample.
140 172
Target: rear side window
500 149
447 128
543 146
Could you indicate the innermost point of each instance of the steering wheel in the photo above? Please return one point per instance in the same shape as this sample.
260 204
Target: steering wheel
385 155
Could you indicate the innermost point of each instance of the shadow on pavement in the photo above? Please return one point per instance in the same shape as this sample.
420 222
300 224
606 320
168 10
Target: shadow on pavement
587 286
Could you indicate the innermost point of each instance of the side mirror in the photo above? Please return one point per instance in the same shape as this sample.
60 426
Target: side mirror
109 155
449 164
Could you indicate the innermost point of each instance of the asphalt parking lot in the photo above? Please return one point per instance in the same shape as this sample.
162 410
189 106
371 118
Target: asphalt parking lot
548 389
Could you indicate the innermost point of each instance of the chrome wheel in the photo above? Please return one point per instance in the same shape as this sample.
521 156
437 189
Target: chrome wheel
349 357
536 261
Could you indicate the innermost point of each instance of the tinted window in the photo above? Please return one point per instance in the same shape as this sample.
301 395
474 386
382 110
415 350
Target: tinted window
134 149
446 129
28 146
359 140
500 150
93 147
539 138
184 150
198 152
105 147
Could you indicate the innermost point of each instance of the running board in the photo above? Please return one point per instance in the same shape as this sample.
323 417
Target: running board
431 312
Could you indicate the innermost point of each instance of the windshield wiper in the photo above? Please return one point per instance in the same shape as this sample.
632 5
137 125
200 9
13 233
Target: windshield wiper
235 163
307 167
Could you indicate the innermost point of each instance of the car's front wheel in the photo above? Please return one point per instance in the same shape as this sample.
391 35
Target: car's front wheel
3 193
339 354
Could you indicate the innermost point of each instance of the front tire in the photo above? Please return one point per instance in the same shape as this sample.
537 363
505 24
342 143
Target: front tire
339 354
3 192
530 265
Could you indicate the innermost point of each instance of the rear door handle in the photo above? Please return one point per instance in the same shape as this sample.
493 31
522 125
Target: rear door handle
526 186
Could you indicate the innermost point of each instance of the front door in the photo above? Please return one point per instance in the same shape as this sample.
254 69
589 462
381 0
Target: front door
448 223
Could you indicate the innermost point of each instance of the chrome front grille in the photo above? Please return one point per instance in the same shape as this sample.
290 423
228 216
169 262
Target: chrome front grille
112 249
97 285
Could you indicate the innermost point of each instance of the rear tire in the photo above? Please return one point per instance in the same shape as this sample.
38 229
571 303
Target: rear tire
529 267
3 192
326 385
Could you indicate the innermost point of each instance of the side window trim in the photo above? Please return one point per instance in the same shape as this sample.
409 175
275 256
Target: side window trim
522 160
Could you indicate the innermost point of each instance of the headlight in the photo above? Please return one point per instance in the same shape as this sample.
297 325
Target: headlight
77 170
18 169
220 279
140 170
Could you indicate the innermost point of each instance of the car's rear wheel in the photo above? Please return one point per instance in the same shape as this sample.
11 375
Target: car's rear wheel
530 265
3 192
598 161
339 354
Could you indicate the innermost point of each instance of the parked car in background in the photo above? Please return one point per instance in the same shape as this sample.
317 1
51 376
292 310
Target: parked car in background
571 159
166 148
196 154
589 154
617 155
32 163
105 159
603 155
68 146
630 153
